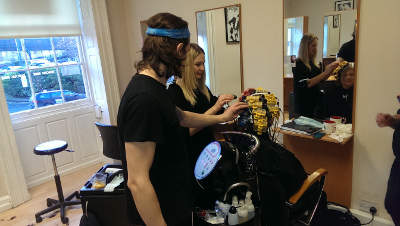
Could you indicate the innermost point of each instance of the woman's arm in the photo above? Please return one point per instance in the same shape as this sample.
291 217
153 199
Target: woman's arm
223 99
190 119
323 76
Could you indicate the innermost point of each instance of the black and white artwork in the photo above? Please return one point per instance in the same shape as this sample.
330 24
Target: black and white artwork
344 5
232 24
336 21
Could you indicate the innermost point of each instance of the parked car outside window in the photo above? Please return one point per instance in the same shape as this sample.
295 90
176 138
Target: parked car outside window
54 97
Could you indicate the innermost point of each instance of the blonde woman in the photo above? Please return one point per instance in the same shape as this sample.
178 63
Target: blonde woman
307 76
190 93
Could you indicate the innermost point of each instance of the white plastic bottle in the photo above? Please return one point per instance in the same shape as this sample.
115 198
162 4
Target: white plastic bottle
243 214
233 217
250 209
235 201
224 207
248 197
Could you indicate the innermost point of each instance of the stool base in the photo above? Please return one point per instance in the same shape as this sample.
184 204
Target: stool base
54 204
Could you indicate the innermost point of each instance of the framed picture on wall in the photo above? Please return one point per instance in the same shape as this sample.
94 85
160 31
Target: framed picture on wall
344 5
336 21
232 24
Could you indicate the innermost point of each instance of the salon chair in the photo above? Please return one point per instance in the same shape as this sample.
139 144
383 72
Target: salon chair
112 144
302 211
297 209
51 148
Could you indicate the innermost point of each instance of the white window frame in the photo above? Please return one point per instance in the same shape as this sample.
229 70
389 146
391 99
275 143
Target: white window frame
56 108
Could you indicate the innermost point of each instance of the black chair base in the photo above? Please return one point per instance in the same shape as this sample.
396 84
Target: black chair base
54 204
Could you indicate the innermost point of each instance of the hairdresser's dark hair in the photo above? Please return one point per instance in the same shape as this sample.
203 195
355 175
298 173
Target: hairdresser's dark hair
160 53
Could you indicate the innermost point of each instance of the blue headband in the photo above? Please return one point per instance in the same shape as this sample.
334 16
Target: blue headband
171 33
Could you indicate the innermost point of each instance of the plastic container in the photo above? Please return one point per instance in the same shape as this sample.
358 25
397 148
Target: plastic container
99 180
108 207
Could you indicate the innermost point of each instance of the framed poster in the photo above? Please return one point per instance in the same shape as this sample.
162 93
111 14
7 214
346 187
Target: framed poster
232 24
336 21
344 5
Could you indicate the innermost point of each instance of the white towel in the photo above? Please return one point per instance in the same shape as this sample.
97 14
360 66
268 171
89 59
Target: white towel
342 132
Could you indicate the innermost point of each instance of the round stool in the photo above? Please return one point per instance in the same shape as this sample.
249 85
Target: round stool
51 148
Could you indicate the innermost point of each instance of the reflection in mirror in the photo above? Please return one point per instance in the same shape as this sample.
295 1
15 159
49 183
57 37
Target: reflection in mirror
294 28
218 33
331 35
339 34
315 84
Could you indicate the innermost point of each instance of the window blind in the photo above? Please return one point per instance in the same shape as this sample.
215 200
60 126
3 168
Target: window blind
38 18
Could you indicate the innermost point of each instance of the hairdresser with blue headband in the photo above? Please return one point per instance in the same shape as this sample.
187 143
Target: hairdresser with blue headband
155 161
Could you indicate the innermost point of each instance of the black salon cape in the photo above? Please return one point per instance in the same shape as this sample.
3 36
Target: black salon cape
147 113
336 101
392 199
305 99
281 175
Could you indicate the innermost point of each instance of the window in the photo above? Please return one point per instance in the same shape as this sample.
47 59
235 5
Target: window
38 72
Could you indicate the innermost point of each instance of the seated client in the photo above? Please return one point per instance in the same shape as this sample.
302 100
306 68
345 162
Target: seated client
338 100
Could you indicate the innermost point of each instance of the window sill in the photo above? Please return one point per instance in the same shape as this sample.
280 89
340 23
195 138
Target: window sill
50 110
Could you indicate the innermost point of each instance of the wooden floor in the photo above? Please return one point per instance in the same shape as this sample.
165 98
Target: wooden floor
24 214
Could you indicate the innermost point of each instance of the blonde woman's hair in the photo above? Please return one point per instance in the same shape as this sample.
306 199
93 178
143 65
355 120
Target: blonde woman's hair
303 49
189 83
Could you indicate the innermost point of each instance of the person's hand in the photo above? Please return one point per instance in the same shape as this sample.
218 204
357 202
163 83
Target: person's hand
222 100
246 93
330 67
233 111
383 120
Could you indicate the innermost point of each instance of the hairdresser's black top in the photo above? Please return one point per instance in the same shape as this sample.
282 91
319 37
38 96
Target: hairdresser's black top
305 99
396 139
348 51
147 113
198 141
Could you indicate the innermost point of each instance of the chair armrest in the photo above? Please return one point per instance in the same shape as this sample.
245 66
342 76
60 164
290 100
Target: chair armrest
310 180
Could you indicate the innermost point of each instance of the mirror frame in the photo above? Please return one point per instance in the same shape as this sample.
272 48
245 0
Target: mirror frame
355 62
240 36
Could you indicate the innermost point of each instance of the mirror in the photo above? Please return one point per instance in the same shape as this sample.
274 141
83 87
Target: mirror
219 34
333 29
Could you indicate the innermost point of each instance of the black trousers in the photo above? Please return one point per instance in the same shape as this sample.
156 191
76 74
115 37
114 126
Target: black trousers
392 199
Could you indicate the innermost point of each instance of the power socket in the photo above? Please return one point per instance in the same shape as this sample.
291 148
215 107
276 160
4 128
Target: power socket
366 206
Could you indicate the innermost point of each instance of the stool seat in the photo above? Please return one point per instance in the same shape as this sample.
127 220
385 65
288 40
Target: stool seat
50 147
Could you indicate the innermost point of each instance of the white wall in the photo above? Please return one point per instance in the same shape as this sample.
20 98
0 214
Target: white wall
227 59
261 27
119 37
3 187
377 83
347 28
333 38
